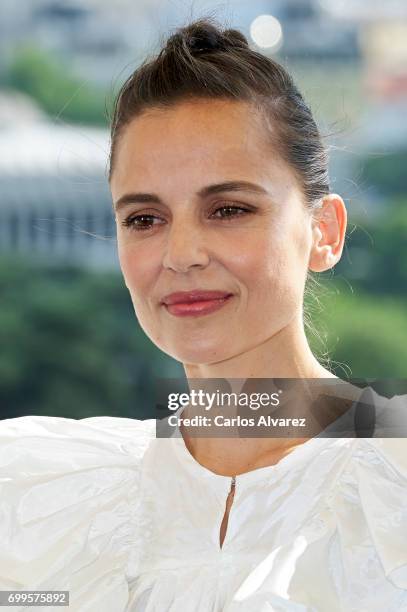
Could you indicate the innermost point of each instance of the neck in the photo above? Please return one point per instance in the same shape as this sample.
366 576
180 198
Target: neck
285 355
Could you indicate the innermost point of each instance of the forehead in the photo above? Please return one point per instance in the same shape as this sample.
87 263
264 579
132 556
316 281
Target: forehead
213 139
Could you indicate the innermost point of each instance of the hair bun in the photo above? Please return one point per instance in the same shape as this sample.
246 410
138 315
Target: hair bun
205 40
206 37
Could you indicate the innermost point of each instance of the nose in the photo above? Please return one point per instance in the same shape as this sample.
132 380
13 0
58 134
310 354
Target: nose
185 247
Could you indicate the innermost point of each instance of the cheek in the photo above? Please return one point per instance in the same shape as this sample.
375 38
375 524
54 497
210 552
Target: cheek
277 265
137 270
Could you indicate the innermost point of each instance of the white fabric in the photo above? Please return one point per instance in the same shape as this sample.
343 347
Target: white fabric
128 522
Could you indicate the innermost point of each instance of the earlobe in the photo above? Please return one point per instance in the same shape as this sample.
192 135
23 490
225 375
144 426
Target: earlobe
322 259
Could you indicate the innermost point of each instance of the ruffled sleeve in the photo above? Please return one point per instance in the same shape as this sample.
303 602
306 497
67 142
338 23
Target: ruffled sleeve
381 473
369 500
69 506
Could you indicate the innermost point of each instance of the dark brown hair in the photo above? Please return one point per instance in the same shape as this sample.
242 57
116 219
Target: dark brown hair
203 61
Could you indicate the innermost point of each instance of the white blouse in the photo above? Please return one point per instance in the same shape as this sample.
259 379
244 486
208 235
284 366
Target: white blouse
128 522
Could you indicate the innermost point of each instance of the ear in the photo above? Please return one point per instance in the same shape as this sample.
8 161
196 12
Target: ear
328 233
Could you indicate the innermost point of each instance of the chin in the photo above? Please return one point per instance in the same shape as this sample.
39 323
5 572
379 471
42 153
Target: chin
196 355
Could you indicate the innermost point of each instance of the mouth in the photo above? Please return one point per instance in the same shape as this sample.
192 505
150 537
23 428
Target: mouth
199 307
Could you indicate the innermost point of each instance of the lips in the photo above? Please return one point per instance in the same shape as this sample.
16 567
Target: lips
189 297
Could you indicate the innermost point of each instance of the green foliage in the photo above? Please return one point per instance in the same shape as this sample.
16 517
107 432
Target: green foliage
71 346
376 253
387 172
366 333
55 89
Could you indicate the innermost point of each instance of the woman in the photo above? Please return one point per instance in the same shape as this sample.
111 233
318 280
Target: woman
220 184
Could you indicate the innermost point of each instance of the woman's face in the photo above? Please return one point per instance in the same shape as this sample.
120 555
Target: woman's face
258 251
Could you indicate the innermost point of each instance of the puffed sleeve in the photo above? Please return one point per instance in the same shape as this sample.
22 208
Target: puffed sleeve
382 484
369 501
69 506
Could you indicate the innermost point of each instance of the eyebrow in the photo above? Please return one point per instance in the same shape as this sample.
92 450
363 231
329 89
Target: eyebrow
151 198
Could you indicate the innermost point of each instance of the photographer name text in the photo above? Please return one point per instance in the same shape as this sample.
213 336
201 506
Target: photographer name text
237 421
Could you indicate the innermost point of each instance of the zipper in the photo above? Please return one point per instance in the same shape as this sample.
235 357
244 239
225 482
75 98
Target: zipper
226 515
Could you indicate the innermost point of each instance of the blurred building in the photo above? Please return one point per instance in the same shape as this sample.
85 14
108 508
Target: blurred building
309 33
95 38
55 204
100 38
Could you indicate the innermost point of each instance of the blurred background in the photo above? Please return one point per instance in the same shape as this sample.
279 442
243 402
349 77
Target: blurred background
70 343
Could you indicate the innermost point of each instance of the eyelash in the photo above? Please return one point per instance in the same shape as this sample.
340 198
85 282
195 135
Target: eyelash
129 222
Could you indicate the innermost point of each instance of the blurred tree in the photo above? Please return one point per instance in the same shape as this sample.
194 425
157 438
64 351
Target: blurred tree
56 90
71 346
387 173
366 334
376 253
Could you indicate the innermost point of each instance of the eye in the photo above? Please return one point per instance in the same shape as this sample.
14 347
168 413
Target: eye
139 223
232 211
